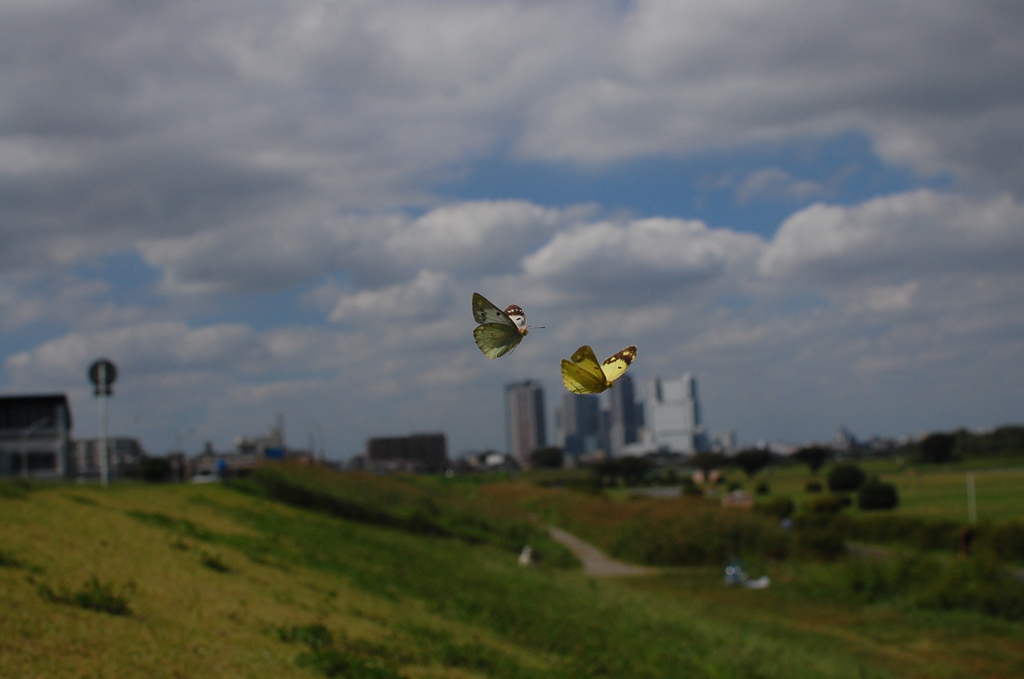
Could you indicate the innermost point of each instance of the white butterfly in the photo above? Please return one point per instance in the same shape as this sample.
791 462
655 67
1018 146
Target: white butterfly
499 331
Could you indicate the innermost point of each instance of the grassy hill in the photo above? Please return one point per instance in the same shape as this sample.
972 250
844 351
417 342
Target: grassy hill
213 581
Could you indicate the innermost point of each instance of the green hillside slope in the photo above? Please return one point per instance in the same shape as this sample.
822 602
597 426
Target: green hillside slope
217 582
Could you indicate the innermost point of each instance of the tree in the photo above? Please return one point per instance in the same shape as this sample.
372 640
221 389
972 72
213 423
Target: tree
845 477
813 456
708 461
753 460
630 469
546 458
937 448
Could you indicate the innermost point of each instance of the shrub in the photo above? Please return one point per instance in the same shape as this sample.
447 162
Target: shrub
914 531
1005 540
780 508
546 458
813 487
332 662
631 470
704 536
818 536
762 488
94 596
329 660
845 477
877 495
827 504
315 636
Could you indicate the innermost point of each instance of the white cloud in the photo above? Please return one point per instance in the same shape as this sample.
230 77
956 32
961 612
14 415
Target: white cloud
609 258
423 298
905 234
775 183
936 86
174 120
486 237
839 302
887 298
281 150
254 257
156 345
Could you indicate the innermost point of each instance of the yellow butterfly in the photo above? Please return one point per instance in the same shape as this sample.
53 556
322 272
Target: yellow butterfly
583 375
499 331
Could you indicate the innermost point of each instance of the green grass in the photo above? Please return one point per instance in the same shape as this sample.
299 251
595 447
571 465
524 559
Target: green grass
938 491
301 593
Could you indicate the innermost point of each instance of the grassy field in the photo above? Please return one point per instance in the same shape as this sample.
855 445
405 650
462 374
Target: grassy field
220 582
938 491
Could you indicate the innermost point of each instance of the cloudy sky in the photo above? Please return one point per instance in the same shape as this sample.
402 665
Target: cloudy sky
283 208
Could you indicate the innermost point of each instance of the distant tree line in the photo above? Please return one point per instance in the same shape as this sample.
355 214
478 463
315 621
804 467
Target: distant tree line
1007 441
941 447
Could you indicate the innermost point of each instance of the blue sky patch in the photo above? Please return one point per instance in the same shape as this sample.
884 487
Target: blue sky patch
752 189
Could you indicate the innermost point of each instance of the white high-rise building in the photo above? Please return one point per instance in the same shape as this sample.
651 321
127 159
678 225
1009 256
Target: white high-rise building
524 419
672 415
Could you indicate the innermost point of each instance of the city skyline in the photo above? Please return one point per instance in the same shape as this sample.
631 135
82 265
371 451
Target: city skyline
285 209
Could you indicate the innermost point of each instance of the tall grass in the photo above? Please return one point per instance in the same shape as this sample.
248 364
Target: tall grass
979 584
687 531
94 596
391 502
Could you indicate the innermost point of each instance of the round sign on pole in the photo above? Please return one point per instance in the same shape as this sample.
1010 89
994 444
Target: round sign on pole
103 374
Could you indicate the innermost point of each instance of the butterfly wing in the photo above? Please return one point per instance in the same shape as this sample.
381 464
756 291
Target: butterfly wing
497 333
496 339
617 364
485 312
582 374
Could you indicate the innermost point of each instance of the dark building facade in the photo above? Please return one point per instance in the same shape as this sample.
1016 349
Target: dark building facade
624 422
416 452
35 436
578 424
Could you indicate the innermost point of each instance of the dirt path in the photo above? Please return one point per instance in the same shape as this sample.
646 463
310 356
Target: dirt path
595 562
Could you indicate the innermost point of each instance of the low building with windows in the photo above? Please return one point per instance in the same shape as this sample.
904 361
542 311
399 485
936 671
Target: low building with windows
35 436
124 459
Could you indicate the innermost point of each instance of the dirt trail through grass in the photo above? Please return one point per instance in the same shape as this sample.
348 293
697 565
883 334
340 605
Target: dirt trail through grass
595 562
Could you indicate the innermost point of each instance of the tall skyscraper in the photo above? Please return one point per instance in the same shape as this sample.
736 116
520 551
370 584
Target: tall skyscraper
578 424
524 419
672 414
623 416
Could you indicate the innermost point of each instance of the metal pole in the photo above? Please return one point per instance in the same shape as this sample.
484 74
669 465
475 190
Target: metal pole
972 501
104 460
